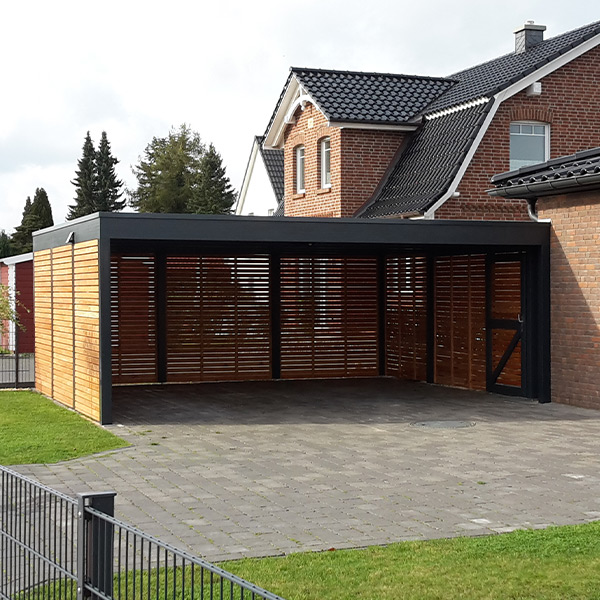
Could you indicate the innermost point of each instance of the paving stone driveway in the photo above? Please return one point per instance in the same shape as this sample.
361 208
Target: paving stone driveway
252 469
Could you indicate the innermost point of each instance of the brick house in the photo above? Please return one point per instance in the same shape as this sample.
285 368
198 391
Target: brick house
566 192
383 145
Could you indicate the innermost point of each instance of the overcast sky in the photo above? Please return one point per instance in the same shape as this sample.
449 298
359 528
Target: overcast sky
134 69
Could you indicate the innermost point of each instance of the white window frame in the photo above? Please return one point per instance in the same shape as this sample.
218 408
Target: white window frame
546 127
325 151
300 170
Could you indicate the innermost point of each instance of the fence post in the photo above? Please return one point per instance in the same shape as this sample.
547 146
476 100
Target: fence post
95 544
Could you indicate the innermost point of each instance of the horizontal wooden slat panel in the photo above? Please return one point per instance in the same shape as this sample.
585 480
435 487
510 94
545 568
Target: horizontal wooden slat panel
460 321
218 315
133 319
329 317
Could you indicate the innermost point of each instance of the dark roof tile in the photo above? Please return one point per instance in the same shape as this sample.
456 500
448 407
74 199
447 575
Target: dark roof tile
381 98
490 77
274 164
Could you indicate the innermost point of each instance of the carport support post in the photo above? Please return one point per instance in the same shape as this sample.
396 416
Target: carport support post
542 333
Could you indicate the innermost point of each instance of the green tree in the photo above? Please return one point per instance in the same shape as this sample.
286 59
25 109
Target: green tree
85 182
177 174
215 194
109 188
7 310
5 245
36 215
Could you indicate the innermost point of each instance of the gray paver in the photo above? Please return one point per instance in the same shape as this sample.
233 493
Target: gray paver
249 469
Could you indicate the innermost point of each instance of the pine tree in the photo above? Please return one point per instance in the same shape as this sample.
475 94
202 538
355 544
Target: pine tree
36 215
85 182
109 188
41 208
214 194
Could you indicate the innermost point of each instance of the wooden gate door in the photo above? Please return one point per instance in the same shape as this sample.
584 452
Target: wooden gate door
505 340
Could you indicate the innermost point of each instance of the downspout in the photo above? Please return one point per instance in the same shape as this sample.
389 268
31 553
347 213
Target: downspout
533 213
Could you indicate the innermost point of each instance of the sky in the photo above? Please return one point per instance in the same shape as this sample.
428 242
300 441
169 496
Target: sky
136 69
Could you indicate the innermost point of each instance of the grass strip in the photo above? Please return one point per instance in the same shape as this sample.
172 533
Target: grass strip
34 429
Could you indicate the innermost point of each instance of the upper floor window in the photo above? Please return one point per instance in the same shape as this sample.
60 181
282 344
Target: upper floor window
529 144
325 153
300 169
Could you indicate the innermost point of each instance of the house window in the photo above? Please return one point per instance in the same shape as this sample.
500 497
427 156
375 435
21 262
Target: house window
325 153
300 170
529 144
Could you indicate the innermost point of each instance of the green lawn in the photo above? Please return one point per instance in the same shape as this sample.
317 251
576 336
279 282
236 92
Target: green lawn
557 563
35 430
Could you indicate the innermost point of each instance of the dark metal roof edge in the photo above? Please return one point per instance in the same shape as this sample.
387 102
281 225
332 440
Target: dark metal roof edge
276 230
548 188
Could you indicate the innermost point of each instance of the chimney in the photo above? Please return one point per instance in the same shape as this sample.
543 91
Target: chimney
528 36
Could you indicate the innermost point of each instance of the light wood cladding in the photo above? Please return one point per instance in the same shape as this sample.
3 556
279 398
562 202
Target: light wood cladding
67 326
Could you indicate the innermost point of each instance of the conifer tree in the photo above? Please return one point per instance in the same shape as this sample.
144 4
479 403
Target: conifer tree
109 188
5 245
36 215
85 182
215 194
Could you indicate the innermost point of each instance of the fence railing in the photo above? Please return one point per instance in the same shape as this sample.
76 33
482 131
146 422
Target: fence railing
55 547
17 369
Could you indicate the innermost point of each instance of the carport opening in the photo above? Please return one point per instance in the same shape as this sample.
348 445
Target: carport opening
451 319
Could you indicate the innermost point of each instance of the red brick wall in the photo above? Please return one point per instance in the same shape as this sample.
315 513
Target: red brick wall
570 102
359 159
366 155
575 296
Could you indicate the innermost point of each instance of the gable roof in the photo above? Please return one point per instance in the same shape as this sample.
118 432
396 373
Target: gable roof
348 98
435 153
383 98
576 172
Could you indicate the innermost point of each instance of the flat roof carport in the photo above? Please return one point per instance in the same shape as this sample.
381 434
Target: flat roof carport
416 299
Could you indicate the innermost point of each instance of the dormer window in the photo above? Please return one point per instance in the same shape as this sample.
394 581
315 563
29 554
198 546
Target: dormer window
529 144
300 169
325 155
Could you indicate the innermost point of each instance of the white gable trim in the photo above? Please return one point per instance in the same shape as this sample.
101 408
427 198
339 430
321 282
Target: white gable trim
294 96
247 177
500 97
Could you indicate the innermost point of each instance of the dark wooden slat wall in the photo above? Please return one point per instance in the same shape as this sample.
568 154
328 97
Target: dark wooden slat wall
406 317
506 304
218 318
329 317
459 321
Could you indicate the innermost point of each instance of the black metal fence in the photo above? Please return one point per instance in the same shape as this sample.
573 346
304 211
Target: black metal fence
17 369
55 547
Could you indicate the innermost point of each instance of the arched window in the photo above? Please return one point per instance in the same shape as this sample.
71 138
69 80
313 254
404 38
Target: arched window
299 154
529 144
325 159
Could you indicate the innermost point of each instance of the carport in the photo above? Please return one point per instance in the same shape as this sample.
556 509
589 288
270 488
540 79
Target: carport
152 299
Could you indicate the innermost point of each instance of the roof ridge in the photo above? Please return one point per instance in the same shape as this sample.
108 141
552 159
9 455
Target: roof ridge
542 43
371 73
